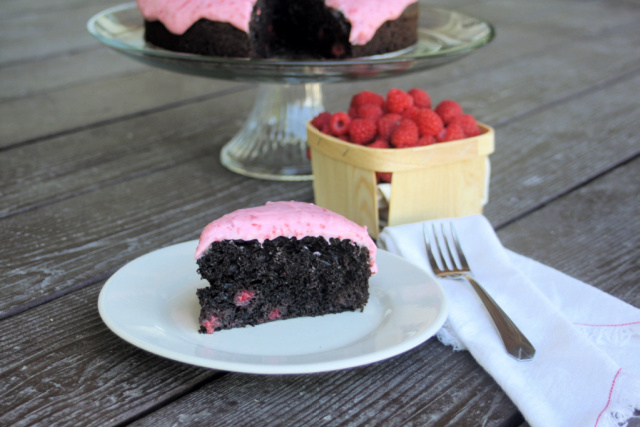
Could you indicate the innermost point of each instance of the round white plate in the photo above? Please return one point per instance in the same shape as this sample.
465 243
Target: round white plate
151 303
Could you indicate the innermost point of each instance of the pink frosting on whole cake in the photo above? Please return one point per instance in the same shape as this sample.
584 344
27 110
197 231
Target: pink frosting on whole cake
365 16
179 15
288 219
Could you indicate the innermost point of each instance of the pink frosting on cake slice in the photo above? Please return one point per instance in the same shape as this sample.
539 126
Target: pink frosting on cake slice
365 16
288 219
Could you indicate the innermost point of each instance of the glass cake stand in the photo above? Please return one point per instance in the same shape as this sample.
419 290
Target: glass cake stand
272 142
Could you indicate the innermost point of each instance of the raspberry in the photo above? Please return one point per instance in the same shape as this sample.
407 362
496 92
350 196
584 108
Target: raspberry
339 123
421 98
405 135
450 133
448 109
362 131
475 132
369 111
387 124
384 176
321 120
411 113
398 101
429 123
426 140
274 314
379 143
353 112
468 124
243 298
366 97
211 324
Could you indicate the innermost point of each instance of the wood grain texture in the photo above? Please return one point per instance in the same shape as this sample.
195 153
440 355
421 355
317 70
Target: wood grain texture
345 178
43 30
61 364
91 159
573 144
598 218
346 189
392 392
103 160
63 71
453 190
117 98
392 160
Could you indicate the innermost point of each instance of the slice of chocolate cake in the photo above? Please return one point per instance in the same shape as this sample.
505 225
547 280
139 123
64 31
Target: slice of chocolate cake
280 261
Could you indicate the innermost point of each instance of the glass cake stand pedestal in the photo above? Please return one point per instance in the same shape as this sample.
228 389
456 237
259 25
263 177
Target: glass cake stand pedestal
272 142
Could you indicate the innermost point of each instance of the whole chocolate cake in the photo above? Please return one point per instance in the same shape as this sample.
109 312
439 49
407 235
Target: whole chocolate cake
280 261
281 28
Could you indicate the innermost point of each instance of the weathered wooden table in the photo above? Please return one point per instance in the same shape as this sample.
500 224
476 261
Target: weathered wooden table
103 159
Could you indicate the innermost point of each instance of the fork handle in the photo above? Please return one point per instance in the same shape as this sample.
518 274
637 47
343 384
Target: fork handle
515 342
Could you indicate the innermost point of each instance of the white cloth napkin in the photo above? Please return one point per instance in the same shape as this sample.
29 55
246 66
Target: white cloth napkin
586 371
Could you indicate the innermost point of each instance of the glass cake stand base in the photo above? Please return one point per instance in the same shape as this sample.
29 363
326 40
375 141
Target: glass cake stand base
272 142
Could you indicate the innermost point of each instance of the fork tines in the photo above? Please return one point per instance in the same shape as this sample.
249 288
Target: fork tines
441 248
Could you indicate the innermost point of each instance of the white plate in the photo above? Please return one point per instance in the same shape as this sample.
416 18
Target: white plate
151 303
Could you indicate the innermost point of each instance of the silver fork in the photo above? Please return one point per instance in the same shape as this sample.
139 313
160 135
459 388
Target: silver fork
515 342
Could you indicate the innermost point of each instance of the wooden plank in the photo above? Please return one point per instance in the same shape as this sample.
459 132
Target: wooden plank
61 365
38 77
13 9
89 160
27 37
411 389
534 156
117 97
572 236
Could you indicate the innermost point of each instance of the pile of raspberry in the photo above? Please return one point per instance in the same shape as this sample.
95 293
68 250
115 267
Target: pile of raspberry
401 120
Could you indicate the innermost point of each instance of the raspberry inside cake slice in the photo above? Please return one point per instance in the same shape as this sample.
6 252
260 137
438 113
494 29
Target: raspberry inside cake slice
280 261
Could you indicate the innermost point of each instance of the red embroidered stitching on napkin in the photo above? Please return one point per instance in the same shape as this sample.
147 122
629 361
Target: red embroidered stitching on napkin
600 326
613 384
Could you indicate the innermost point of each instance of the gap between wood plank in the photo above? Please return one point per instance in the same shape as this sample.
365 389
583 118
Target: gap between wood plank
23 61
568 191
137 114
162 403
602 84
99 186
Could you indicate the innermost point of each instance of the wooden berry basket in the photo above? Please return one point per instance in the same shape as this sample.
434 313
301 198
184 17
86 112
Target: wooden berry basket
442 180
